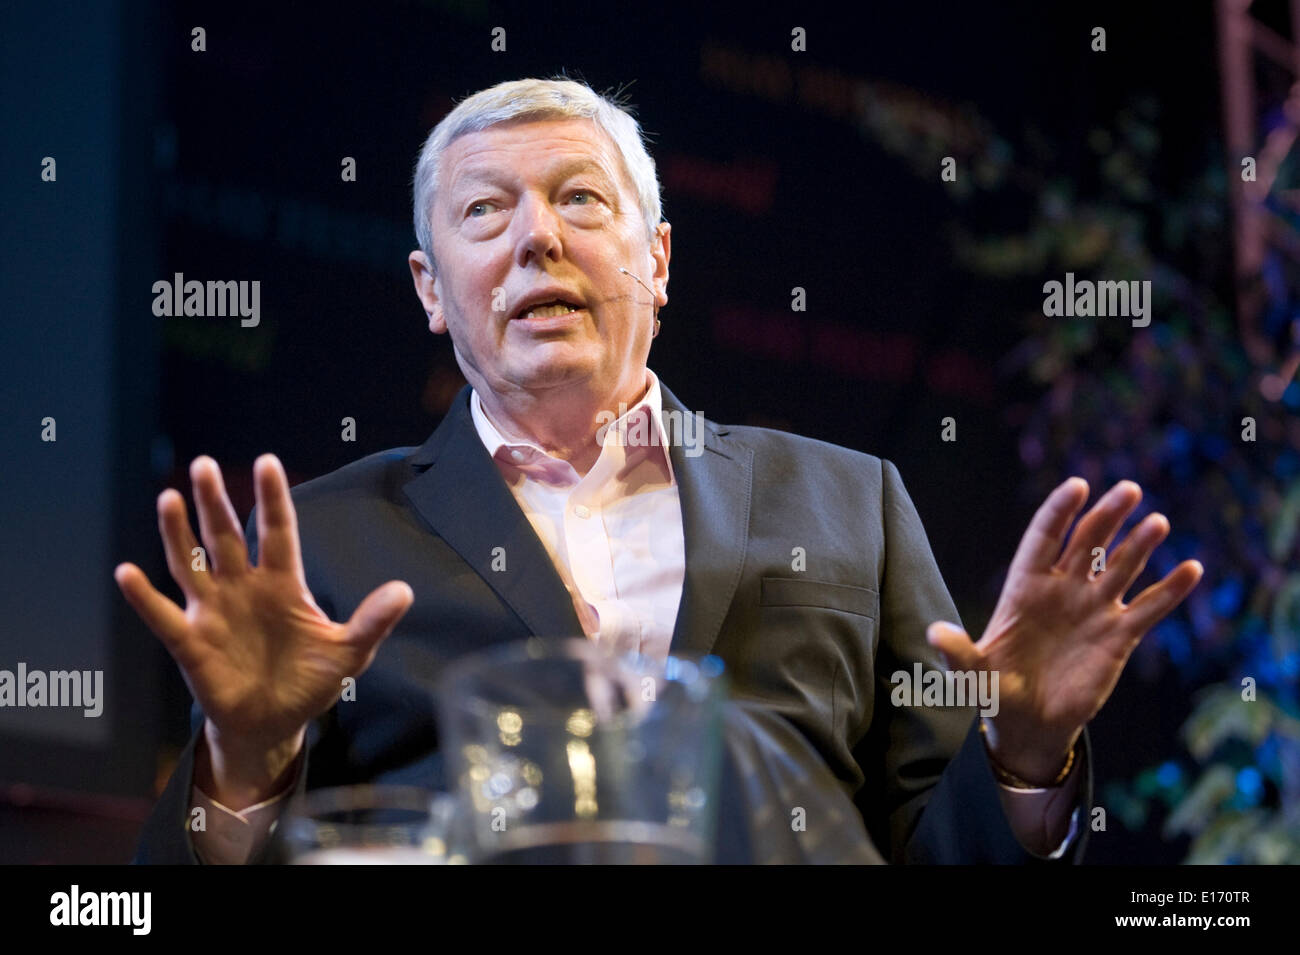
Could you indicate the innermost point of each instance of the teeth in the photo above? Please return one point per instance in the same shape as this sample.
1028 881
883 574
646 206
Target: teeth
550 311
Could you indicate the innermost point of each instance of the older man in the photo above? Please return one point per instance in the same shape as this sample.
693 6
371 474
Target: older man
543 255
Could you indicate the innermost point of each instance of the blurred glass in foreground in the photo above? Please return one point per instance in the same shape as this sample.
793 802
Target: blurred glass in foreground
562 752
371 825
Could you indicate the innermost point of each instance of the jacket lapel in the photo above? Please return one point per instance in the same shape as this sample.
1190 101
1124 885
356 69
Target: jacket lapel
458 490
715 488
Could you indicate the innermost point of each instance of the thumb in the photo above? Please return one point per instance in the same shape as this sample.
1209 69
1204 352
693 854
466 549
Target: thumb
955 645
379 613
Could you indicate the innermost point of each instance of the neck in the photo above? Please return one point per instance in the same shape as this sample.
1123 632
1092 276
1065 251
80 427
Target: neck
562 422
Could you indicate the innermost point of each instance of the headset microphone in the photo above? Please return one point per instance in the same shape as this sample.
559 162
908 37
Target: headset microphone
648 289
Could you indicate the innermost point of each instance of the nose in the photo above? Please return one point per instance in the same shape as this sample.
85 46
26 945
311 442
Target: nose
539 231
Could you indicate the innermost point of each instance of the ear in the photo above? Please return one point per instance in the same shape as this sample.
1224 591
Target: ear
426 289
661 251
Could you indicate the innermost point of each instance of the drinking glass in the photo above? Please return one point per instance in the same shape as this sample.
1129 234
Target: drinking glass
371 825
560 751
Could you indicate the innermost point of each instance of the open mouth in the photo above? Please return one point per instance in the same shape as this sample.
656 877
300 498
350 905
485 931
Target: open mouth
549 309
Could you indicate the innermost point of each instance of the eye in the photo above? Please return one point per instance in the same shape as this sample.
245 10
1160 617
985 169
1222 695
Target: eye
582 197
479 209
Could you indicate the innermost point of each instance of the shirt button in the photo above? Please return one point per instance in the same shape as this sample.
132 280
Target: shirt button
517 455
582 511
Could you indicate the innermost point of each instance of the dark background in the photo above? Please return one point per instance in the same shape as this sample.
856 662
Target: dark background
225 164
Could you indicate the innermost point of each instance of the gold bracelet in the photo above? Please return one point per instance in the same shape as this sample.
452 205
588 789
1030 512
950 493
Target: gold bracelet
1014 781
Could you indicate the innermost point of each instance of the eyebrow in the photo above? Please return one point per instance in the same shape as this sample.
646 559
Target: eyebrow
486 175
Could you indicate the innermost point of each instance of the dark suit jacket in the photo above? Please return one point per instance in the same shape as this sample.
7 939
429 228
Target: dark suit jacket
809 651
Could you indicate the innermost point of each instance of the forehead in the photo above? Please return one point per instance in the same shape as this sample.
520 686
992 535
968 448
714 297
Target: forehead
531 148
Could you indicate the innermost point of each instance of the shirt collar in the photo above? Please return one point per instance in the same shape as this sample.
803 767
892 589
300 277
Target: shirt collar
509 448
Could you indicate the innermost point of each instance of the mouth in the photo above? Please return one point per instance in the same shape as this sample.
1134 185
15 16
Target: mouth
546 309
556 314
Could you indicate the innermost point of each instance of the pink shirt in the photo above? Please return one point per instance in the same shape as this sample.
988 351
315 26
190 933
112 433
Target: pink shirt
615 536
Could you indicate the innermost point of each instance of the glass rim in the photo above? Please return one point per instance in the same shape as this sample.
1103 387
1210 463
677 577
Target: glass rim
306 828
705 666
358 796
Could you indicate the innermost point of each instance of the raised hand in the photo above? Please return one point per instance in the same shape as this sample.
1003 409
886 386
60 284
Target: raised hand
260 657
1060 634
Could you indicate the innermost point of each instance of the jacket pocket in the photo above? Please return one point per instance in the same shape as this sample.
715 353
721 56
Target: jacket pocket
801 592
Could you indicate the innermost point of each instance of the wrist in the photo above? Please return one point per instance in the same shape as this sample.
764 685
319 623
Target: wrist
1042 766
239 774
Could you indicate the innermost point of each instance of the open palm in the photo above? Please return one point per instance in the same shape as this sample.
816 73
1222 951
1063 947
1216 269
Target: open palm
1061 634
261 658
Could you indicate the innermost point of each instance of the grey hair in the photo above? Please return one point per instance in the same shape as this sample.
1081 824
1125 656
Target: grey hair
559 98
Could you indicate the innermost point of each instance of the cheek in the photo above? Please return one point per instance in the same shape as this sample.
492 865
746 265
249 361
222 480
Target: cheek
466 306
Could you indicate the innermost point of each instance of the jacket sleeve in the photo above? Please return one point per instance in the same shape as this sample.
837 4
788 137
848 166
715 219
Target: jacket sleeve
930 795
167 837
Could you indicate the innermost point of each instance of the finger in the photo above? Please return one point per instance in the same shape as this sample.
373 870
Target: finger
218 524
1131 556
378 614
955 644
179 545
159 614
277 522
1157 601
1045 534
1098 527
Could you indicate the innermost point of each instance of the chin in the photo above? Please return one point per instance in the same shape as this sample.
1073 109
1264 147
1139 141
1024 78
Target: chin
556 361
555 373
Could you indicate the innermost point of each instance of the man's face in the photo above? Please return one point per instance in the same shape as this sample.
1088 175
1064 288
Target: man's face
527 213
